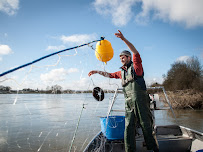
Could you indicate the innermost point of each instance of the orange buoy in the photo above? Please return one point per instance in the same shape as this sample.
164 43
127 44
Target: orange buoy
104 51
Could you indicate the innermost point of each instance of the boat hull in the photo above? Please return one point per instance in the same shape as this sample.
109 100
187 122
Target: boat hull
171 138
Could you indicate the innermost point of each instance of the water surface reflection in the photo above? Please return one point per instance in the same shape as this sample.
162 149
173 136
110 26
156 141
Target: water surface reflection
41 122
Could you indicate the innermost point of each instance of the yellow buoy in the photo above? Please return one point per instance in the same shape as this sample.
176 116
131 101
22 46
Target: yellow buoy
104 51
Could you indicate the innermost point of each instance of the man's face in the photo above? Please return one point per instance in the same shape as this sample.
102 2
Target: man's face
125 59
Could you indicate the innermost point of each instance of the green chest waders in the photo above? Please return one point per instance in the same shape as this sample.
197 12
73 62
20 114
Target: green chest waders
136 109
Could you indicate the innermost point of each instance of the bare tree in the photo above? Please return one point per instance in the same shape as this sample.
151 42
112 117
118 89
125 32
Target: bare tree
56 89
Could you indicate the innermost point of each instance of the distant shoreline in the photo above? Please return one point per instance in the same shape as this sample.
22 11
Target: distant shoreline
52 92
180 99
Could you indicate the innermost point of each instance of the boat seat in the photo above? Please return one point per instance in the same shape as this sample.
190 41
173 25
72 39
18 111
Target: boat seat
168 130
171 139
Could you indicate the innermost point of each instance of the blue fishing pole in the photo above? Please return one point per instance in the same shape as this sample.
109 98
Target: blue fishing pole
37 60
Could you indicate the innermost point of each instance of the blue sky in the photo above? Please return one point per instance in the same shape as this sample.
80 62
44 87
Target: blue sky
162 31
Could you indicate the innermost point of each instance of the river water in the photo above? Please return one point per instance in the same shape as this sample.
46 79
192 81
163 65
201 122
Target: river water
48 122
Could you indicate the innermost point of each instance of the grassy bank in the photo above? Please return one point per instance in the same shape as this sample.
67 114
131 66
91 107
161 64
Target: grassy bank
184 99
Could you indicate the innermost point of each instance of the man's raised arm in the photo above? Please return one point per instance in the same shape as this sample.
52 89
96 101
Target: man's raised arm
130 45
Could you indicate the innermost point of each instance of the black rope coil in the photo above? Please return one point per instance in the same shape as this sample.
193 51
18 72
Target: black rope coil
98 93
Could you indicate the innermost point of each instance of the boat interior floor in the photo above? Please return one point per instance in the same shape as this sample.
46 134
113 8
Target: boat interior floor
170 139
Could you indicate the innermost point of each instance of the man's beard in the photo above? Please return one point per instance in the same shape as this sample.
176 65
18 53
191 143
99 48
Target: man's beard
125 64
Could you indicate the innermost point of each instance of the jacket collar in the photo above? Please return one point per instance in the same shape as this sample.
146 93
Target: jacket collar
128 65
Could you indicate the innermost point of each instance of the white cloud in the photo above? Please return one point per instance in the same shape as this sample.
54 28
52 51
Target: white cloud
78 38
182 58
72 70
57 74
81 84
120 10
55 48
5 49
86 84
9 6
186 12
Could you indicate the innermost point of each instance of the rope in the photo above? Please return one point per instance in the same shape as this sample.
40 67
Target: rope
37 60
76 127
78 123
169 104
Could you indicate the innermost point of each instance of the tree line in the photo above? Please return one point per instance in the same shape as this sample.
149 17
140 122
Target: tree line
183 76
55 89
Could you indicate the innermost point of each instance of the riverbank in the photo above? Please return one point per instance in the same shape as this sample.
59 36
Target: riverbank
50 91
180 99
184 99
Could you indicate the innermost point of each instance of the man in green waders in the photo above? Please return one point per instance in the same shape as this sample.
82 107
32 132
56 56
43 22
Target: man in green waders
137 100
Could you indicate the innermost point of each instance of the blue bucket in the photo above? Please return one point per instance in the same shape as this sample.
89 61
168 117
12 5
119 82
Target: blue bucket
113 127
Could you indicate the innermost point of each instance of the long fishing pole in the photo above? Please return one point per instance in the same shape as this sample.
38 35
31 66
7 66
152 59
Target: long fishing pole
37 60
